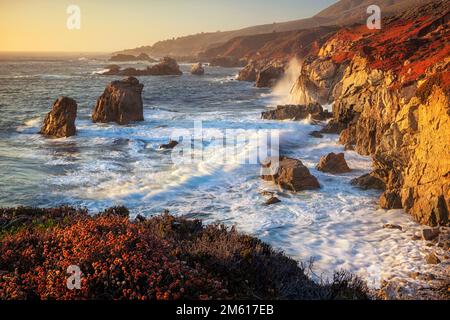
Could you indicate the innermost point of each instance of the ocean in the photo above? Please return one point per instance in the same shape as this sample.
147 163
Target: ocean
338 226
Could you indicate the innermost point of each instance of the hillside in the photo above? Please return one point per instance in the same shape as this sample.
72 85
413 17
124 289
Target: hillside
344 12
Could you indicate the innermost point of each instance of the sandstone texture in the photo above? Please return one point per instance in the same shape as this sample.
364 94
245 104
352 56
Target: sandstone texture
391 91
60 121
121 102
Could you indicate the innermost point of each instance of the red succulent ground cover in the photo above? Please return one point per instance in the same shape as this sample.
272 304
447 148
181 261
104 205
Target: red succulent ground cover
407 44
157 258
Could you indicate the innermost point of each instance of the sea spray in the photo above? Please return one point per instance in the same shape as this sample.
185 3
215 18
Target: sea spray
282 91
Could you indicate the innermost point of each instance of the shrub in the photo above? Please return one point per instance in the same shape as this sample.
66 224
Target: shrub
162 257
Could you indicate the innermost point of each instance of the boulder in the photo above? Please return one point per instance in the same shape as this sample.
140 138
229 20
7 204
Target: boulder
333 163
198 69
432 259
269 75
167 66
248 73
429 234
60 121
316 134
289 174
297 112
121 102
369 181
272 200
172 144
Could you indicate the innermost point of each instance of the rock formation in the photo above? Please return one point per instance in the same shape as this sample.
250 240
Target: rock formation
269 75
60 121
172 144
333 163
289 174
130 57
369 181
248 73
227 62
297 112
121 102
166 67
197 69
391 94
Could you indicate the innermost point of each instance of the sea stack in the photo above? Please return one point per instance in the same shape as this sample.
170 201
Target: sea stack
121 102
60 121
197 69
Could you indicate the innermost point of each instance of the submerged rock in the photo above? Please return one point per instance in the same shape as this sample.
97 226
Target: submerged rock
429 234
289 174
432 259
297 112
60 121
369 181
198 69
333 163
272 200
121 102
172 144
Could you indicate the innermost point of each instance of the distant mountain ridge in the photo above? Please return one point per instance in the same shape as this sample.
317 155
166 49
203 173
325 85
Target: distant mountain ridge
344 12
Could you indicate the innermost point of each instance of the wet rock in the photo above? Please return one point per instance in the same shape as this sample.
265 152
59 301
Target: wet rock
333 127
430 233
369 181
197 69
273 200
390 200
289 174
166 67
432 259
316 134
172 144
392 226
269 75
248 73
297 112
121 102
60 121
333 163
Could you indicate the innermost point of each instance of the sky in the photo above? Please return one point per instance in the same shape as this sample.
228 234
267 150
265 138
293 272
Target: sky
110 25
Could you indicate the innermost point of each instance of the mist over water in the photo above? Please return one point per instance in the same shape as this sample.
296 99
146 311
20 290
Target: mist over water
106 164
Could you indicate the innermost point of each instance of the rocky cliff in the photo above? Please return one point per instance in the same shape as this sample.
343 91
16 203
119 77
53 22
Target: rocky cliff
390 91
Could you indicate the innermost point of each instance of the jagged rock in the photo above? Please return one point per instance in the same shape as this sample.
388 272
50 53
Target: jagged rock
430 233
60 121
248 73
172 144
289 174
167 66
333 163
297 112
397 111
121 102
198 69
369 181
272 200
390 200
269 75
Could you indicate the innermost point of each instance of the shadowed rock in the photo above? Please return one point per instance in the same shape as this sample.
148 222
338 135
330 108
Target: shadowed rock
333 163
289 174
297 112
368 181
272 200
172 144
60 121
121 102
269 76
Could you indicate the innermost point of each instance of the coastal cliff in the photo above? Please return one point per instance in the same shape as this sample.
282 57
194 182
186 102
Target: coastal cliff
390 92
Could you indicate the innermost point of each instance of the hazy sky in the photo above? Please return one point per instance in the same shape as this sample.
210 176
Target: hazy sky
108 25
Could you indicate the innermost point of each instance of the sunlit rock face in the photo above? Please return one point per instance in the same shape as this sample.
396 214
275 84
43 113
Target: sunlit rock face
121 102
390 93
60 121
